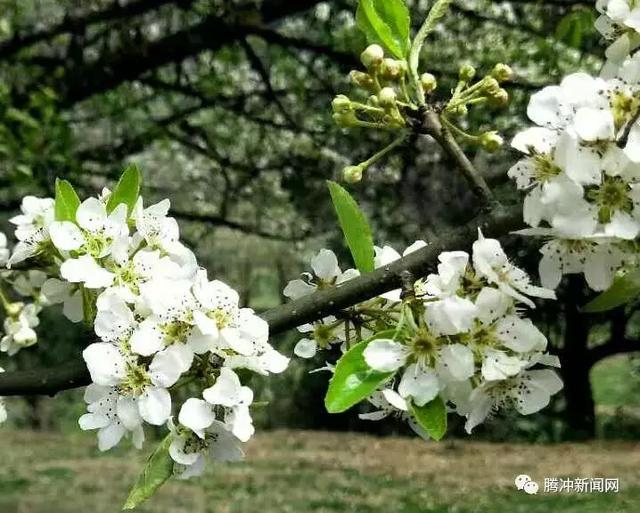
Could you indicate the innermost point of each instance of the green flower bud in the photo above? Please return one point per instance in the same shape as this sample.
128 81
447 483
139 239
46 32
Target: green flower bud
391 69
387 97
345 119
373 101
352 174
361 79
491 141
467 72
372 56
428 82
500 98
491 86
460 111
502 72
341 104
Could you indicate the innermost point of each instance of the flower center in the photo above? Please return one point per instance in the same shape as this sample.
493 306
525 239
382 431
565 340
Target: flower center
323 335
545 168
176 331
221 317
624 107
137 380
611 196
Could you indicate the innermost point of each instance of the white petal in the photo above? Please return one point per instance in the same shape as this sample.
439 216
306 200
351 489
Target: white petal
306 348
385 355
456 362
155 405
226 389
105 363
86 270
325 265
91 214
66 236
421 385
197 415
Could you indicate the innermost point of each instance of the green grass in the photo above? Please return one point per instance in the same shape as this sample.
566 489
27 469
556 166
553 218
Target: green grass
615 382
305 472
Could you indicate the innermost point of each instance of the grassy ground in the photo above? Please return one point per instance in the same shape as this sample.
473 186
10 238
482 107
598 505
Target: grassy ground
305 472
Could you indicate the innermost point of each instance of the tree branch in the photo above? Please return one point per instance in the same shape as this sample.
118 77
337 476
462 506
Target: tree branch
496 223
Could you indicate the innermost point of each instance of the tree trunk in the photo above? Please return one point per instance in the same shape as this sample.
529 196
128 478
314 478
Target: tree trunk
576 364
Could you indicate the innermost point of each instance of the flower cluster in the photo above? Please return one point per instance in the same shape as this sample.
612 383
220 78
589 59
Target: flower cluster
359 321
393 99
162 325
459 335
581 173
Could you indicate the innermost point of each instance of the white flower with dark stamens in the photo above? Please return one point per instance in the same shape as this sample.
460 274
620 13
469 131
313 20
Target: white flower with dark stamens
112 415
490 262
528 392
37 214
327 273
192 452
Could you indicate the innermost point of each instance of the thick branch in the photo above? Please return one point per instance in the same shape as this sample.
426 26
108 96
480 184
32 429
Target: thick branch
316 306
613 347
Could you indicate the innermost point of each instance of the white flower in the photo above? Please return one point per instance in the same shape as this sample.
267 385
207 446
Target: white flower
419 384
529 392
450 315
192 452
112 415
96 233
37 214
108 366
386 355
229 392
327 272
490 261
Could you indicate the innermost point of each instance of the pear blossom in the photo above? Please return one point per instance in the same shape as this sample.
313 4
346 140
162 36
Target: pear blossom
326 273
114 416
36 215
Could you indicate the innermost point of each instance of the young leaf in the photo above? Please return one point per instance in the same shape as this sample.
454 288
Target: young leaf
355 227
386 22
66 202
432 417
624 289
127 189
353 380
158 469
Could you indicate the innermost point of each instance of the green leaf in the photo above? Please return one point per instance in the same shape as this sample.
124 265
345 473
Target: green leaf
66 202
432 417
386 22
353 380
127 189
573 27
158 469
355 228
624 289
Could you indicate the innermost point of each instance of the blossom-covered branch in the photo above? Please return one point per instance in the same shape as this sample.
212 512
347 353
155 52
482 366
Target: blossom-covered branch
501 221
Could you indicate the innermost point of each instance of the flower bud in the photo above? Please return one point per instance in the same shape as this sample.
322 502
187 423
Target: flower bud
500 98
461 111
345 119
352 174
387 97
428 82
341 104
502 72
361 79
491 141
391 69
14 309
467 72
372 56
373 101
491 86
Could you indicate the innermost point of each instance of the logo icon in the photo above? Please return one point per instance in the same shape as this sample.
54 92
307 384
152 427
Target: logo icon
526 484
